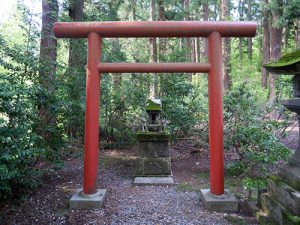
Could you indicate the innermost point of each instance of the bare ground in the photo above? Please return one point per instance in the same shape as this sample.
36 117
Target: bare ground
125 203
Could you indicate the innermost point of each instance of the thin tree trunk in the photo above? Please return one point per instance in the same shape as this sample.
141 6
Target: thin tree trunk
162 41
194 45
133 9
286 31
298 33
266 43
276 38
186 6
48 55
117 78
226 48
153 55
249 17
241 15
198 50
205 15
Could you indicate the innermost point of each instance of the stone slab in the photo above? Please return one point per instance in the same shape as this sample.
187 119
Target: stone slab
153 149
82 201
225 202
153 181
157 166
287 196
291 175
152 167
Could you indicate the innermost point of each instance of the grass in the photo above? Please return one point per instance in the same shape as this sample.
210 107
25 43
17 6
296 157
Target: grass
185 186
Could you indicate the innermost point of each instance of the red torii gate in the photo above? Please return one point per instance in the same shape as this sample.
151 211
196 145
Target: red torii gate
214 31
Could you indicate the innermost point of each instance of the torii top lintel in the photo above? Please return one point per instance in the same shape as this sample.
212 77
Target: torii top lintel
154 29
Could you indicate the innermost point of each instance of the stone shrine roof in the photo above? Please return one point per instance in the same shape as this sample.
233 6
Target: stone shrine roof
153 105
287 64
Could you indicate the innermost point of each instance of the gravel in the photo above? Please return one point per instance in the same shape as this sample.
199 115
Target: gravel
125 203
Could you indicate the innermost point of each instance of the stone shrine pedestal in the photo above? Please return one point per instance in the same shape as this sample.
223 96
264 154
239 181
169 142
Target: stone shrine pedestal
153 165
281 203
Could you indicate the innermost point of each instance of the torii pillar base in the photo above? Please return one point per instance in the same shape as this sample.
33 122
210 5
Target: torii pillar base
80 200
225 202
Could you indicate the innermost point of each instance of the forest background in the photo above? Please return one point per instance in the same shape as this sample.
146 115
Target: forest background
42 83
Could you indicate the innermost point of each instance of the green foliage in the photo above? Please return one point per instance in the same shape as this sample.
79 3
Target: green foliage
249 131
18 149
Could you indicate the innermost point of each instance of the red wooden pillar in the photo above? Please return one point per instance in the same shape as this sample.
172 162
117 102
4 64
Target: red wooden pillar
91 135
215 93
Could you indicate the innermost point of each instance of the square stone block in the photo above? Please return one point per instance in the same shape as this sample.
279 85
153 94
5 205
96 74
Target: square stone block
157 166
153 149
225 202
82 201
287 196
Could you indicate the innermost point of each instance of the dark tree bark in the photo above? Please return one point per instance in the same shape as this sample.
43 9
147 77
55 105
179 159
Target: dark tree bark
205 15
133 9
153 55
286 32
226 48
76 61
162 46
249 17
266 43
48 54
276 39
186 7
298 33
241 17
76 68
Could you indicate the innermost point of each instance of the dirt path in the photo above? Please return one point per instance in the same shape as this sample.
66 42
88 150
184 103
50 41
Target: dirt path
125 204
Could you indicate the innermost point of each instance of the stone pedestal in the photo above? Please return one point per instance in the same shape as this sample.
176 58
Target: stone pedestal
154 159
80 200
225 202
281 203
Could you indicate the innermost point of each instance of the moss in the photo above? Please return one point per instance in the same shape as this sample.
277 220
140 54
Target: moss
153 136
286 60
275 179
289 219
185 186
288 63
152 106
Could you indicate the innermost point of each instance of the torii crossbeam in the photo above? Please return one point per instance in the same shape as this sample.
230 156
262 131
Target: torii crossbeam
214 31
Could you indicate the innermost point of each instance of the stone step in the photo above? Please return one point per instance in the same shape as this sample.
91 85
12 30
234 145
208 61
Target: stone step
153 181
290 174
286 195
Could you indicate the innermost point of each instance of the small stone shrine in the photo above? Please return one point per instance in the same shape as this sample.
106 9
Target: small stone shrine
281 203
153 164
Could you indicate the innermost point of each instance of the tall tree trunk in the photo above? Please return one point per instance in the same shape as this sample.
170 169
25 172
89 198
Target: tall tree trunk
186 7
48 54
133 9
76 68
276 39
205 15
266 43
162 41
286 31
76 61
226 48
153 55
198 50
249 17
117 78
298 33
241 17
